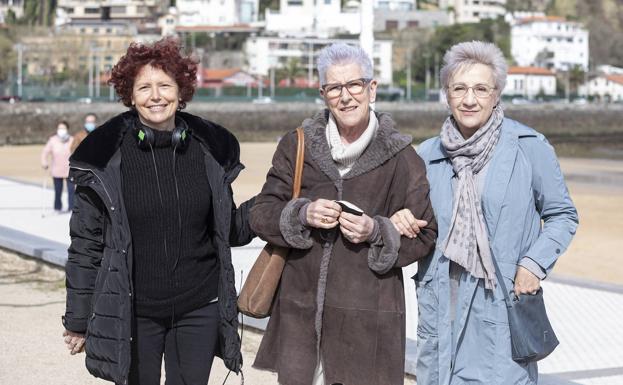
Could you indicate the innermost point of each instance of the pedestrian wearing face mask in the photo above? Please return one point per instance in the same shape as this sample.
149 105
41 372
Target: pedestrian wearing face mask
55 158
90 121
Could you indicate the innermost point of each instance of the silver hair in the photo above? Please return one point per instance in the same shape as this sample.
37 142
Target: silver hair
474 52
341 53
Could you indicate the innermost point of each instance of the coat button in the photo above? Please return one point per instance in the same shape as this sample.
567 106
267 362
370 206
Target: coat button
112 208
557 251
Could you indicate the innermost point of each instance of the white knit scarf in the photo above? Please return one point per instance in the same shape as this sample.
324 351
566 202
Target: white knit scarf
345 155
467 243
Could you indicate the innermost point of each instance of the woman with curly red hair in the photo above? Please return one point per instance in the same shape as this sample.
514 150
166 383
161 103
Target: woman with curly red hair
149 271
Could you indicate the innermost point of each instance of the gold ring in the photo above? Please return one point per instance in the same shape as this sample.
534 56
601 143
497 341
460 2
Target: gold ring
324 220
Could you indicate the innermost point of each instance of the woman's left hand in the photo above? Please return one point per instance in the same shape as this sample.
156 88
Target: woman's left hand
356 228
526 282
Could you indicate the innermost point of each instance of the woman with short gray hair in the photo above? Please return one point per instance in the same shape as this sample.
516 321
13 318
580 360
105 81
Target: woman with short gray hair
499 196
339 315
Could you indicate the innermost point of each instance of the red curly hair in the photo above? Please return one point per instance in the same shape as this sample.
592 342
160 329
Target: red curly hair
163 54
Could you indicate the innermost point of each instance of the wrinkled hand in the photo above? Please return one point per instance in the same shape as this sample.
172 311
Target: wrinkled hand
74 342
526 282
323 214
356 228
406 223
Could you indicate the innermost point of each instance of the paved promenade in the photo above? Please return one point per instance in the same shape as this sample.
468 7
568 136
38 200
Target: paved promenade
586 315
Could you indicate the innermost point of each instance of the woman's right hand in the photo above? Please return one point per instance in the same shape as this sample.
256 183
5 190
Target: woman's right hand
74 342
323 214
406 223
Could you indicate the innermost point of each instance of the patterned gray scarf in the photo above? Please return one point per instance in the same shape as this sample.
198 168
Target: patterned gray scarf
467 243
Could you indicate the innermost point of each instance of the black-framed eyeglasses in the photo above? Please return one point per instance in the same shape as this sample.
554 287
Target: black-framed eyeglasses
459 90
354 87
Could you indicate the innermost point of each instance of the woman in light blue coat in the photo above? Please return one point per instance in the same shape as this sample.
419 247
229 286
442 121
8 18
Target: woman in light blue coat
497 192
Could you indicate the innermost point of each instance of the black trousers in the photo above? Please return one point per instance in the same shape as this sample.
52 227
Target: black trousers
188 345
58 191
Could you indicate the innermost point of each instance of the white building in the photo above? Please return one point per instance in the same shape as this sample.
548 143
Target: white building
396 5
472 11
217 12
551 42
530 82
264 53
16 6
321 18
607 88
134 10
609 70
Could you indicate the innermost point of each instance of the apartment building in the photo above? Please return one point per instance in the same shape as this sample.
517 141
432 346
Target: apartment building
472 11
217 12
547 41
266 52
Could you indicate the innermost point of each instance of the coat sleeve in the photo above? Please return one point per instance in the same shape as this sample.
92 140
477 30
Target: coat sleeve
410 189
86 228
240 232
45 153
268 211
558 214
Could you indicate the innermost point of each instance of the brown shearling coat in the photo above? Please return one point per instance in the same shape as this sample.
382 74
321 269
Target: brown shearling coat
346 298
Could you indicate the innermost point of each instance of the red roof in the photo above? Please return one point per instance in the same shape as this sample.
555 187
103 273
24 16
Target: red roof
615 78
218 74
530 71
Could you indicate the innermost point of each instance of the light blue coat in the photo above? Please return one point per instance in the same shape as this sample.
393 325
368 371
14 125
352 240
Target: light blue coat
528 212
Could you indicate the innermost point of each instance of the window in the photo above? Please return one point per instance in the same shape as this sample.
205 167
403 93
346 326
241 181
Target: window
295 3
117 10
391 25
413 24
327 2
69 10
92 11
96 30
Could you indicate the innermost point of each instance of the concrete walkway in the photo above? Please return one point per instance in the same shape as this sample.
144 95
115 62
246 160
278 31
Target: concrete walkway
586 315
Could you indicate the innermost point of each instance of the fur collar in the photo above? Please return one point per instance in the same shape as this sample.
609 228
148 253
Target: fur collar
99 146
385 145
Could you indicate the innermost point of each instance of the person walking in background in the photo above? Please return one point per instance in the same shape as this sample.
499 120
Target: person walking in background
55 158
498 193
149 270
339 315
90 122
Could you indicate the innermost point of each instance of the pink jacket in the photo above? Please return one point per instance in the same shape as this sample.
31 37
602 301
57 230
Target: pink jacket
58 153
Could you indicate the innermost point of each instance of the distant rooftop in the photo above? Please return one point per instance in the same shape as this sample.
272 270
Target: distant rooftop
517 70
545 19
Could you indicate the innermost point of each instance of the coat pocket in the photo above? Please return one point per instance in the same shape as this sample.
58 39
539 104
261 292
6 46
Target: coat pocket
428 305
427 359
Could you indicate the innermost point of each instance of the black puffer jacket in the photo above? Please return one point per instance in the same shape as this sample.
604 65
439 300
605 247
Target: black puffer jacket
99 266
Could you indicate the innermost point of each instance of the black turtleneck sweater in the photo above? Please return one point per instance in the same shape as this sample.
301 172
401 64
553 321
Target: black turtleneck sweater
173 273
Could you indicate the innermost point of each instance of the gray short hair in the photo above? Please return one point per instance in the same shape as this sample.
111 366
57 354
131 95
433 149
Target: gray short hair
341 53
470 53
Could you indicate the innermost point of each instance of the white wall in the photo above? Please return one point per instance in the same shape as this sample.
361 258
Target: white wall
600 87
567 41
530 86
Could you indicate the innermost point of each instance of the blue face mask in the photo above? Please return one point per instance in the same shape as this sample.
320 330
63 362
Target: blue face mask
89 126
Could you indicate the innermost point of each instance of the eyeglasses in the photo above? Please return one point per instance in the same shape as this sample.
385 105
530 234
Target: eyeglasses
354 87
459 90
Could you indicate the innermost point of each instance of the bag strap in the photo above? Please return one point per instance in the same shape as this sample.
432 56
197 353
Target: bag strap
498 274
300 157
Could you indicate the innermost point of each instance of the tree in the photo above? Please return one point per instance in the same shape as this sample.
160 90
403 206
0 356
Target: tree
8 58
290 71
496 31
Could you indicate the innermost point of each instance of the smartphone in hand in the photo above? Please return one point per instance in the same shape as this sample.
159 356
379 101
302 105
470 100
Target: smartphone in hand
350 208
